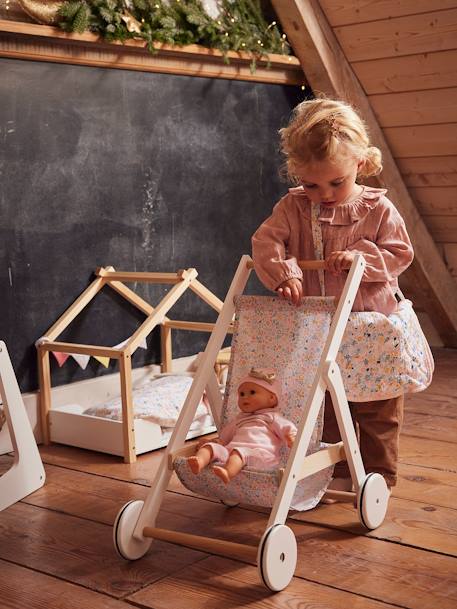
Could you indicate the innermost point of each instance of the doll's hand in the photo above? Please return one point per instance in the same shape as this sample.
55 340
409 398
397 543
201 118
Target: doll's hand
290 439
337 261
292 290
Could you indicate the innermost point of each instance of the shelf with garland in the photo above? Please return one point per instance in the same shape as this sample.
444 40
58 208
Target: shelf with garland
20 40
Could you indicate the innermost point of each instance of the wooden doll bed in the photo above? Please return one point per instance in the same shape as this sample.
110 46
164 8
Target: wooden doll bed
64 421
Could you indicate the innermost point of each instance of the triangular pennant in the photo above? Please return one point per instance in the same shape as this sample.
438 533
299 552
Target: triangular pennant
103 360
82 360
60 357
142 345
122 344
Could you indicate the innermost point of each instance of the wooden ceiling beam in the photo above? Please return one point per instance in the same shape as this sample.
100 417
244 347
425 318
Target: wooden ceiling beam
328 71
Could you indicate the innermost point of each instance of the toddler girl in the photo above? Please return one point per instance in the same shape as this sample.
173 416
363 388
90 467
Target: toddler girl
256 434
327 149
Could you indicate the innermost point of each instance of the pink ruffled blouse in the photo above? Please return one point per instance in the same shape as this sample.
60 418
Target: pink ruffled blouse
369 224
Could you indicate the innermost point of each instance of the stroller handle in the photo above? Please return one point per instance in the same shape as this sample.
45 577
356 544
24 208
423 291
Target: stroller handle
312 265
305 265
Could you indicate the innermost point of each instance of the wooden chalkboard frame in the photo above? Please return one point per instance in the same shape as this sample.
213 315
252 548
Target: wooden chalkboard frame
46 43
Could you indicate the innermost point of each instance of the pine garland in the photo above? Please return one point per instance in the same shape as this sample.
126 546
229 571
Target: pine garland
240 26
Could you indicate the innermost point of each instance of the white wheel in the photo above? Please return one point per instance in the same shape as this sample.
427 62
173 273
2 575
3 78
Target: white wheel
277 557
372 501
126 545
229 503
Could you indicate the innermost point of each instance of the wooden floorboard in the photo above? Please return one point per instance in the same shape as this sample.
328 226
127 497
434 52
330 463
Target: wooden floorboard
226 584
22 588
56 547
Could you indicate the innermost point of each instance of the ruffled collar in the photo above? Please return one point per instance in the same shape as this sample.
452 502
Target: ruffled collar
350 212
353 210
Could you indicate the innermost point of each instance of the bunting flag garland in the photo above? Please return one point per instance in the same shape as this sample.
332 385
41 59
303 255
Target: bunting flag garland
83 360
103 360
60 357
142 345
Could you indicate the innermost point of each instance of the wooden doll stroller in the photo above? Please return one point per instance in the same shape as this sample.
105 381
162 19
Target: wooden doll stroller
310 336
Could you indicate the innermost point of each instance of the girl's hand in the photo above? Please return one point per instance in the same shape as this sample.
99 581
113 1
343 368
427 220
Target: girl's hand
337 262
292 290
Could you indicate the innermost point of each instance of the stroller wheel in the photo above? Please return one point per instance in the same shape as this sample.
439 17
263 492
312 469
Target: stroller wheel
229 503
125 544
277 557
372 501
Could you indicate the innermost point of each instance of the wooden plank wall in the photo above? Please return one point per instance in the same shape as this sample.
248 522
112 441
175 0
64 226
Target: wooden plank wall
405 56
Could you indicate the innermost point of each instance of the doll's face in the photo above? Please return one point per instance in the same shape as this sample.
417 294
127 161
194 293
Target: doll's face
252 397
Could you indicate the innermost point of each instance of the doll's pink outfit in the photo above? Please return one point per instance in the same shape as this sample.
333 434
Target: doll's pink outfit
256 436
368 224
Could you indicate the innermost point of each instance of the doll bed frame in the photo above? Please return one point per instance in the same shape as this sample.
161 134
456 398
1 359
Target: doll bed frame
276 553
26 474
66 423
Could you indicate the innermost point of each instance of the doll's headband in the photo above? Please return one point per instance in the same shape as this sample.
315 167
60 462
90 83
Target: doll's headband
269 377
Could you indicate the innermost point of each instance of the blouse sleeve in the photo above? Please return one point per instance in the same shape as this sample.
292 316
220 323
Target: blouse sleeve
269 245
392 252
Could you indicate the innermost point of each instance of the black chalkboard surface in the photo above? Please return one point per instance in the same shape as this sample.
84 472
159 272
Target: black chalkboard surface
141 171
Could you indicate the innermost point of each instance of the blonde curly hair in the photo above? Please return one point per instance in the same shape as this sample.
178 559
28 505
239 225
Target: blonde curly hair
323 130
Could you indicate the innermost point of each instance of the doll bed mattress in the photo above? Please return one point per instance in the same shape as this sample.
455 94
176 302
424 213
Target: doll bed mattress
157 403
271 333
159 400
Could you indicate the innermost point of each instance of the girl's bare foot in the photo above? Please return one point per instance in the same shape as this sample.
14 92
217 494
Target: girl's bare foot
221 473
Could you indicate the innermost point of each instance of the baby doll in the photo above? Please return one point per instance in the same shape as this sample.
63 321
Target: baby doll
256 434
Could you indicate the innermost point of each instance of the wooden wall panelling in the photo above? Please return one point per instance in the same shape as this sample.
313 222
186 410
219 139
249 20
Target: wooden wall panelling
328 70
416 107
450 255
357 11
429 171
409 73
443 228
434 31
436 200
422 140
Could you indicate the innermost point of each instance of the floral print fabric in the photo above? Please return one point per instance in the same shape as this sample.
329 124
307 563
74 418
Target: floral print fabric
272 333
382 357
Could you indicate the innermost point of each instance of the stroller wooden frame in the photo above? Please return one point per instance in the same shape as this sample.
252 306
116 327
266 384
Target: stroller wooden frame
276 552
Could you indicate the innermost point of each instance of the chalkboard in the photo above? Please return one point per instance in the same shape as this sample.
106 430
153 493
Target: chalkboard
141 171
